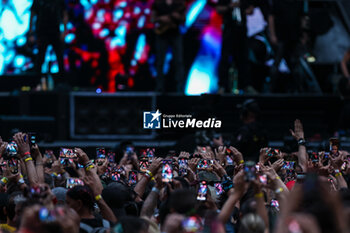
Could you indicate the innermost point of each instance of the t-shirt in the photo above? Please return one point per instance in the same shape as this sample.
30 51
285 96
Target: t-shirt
49 15
287 14
94 223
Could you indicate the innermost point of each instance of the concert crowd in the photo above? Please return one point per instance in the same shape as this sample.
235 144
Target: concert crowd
214 188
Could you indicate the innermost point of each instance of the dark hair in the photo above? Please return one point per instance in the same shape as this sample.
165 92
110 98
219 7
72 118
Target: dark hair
133 224
182 200
84 194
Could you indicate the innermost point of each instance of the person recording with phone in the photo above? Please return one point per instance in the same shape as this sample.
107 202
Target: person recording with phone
167 16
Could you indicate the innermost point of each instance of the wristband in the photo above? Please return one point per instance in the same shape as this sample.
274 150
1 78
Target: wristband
336 171
259 195
26 153
301 142
242 161
28 159
88 164
148 172
98 197
154 189
338 174
21 181
4 181
89 168
279 190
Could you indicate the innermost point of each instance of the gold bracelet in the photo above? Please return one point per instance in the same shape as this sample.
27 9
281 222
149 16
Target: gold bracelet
242 161
98 197
259 195
28 159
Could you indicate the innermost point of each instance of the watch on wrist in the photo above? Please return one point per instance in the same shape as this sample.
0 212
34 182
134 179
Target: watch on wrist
301 142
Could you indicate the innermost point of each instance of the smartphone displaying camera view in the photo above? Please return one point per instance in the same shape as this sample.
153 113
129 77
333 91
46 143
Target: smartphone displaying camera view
249 171
11 149
68 153
263 179
218 189
111 157
192 224
167 171
202 191
13 165
288 165
314 157
72 182
32 138
183 165
273 152
100 153
204 164
144 164
229 160
150 154
132 177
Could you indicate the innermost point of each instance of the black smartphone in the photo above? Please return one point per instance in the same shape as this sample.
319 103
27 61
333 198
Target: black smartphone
32 139
13 165
150 154
129 151
144 164
11 149
249 170
218 189
132 177
273 152
72 182
68 153
288 165
202 191
167 171
314 157
100 153
111 157
204 164
192 224
183 165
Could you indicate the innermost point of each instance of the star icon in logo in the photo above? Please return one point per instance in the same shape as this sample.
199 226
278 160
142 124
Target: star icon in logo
156 115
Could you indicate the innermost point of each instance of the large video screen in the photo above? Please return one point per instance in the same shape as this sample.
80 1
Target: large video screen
111 43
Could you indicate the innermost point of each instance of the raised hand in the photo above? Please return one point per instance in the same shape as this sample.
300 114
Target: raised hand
220 154
83 159
298 132
22 145
237 155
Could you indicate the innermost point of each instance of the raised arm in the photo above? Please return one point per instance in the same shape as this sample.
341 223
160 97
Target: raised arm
142 184
93 181
234 196
23 149
298 134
